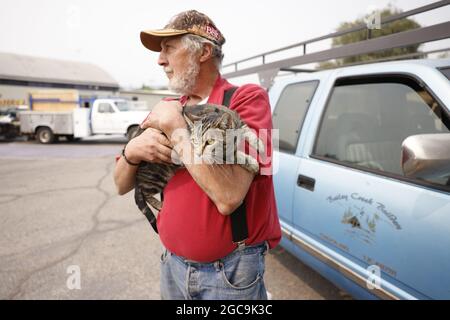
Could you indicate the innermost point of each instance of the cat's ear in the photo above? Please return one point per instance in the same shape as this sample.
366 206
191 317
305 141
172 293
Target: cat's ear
226 121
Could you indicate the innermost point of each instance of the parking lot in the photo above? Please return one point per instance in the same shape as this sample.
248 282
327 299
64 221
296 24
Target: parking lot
59 209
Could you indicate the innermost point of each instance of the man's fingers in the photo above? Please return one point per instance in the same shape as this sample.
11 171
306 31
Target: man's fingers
160 137
163 140
159 154
156 147
165 158
165 151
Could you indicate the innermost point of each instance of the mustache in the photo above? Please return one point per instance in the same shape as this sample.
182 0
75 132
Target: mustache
168 69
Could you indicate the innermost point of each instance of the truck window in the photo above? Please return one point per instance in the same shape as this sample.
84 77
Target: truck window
445 71
366 121
105 108
123 105
290 111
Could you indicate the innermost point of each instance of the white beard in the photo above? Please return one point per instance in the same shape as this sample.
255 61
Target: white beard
184 83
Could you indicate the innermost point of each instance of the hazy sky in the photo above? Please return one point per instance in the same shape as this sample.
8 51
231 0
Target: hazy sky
106 32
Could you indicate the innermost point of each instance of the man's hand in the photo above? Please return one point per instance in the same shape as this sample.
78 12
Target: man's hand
166 116
151 146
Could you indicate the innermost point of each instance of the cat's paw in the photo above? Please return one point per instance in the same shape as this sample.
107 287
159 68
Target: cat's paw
247 162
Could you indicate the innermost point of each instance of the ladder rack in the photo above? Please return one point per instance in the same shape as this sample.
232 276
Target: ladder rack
267 71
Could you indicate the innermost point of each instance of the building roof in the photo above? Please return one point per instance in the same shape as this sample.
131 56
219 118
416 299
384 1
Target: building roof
37 69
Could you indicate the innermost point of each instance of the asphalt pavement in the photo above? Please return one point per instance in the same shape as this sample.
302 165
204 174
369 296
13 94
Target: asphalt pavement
66 234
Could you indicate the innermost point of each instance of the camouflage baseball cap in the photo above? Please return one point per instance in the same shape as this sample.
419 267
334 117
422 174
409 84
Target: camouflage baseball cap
191 21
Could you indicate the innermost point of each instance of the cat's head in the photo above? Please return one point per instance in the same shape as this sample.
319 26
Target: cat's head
216 132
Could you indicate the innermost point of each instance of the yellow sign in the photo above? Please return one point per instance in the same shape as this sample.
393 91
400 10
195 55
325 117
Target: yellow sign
11 102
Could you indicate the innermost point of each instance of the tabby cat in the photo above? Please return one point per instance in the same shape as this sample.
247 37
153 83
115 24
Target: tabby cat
207 125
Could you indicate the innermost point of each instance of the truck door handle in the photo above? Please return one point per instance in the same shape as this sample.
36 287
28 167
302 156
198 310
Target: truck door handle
306 182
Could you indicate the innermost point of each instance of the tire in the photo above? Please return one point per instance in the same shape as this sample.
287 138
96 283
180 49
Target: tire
45 135
131 133
11 133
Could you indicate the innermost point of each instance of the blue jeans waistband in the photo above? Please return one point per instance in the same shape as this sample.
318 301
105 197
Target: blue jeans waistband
264 247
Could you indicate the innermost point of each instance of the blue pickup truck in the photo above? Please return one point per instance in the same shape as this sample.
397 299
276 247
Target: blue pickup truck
362 176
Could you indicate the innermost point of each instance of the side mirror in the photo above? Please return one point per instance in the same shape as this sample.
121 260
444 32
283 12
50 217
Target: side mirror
426 156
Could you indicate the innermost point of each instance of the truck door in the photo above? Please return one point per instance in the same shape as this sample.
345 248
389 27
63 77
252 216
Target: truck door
103 118
288 115
361 206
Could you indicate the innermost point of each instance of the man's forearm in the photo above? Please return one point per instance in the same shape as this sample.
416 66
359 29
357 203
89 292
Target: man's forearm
124 176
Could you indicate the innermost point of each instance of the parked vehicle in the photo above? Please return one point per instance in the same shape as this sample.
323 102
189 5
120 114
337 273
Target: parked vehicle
363 176
106 116
9 121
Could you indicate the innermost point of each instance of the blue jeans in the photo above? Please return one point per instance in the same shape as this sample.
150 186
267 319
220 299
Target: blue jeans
239 275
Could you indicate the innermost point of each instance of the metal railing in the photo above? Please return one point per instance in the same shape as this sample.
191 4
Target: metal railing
415 36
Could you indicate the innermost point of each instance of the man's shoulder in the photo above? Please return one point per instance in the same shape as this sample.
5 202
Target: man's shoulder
250 88
250 91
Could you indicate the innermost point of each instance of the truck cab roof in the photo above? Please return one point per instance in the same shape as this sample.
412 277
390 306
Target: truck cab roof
371 68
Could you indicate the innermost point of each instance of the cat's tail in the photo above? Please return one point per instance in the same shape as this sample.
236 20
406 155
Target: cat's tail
139 198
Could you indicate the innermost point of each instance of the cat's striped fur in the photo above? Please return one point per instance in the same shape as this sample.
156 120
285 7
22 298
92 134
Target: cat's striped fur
151 178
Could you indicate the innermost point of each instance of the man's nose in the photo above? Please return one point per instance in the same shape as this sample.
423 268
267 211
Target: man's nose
162 61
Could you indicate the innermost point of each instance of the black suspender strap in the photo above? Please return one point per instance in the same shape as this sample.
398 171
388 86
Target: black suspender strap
238 218
227 95
239 228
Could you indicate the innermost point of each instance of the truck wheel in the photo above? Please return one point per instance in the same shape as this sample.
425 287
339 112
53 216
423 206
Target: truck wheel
131 133
45 135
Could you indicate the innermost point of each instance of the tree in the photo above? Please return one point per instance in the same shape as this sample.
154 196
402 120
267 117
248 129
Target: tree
155 87
386 29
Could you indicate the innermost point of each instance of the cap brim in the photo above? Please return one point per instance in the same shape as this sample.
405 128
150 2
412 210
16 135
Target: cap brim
151 39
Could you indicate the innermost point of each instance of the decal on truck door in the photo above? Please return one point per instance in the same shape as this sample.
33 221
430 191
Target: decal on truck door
363 215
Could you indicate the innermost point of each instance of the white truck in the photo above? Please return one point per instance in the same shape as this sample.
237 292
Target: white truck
106 116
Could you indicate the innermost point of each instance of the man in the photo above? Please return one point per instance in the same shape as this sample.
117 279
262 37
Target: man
201 261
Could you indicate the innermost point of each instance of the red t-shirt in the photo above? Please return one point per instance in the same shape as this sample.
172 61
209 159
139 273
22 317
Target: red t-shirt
189 223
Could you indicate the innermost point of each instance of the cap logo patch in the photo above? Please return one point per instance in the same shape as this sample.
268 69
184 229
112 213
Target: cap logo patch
212 32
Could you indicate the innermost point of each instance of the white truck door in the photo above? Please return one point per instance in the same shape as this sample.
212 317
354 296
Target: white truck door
119 119
103 117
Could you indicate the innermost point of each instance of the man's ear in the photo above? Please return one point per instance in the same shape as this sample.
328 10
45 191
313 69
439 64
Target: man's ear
207 52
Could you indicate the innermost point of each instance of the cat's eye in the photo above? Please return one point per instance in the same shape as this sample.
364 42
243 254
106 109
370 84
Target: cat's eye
210 141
